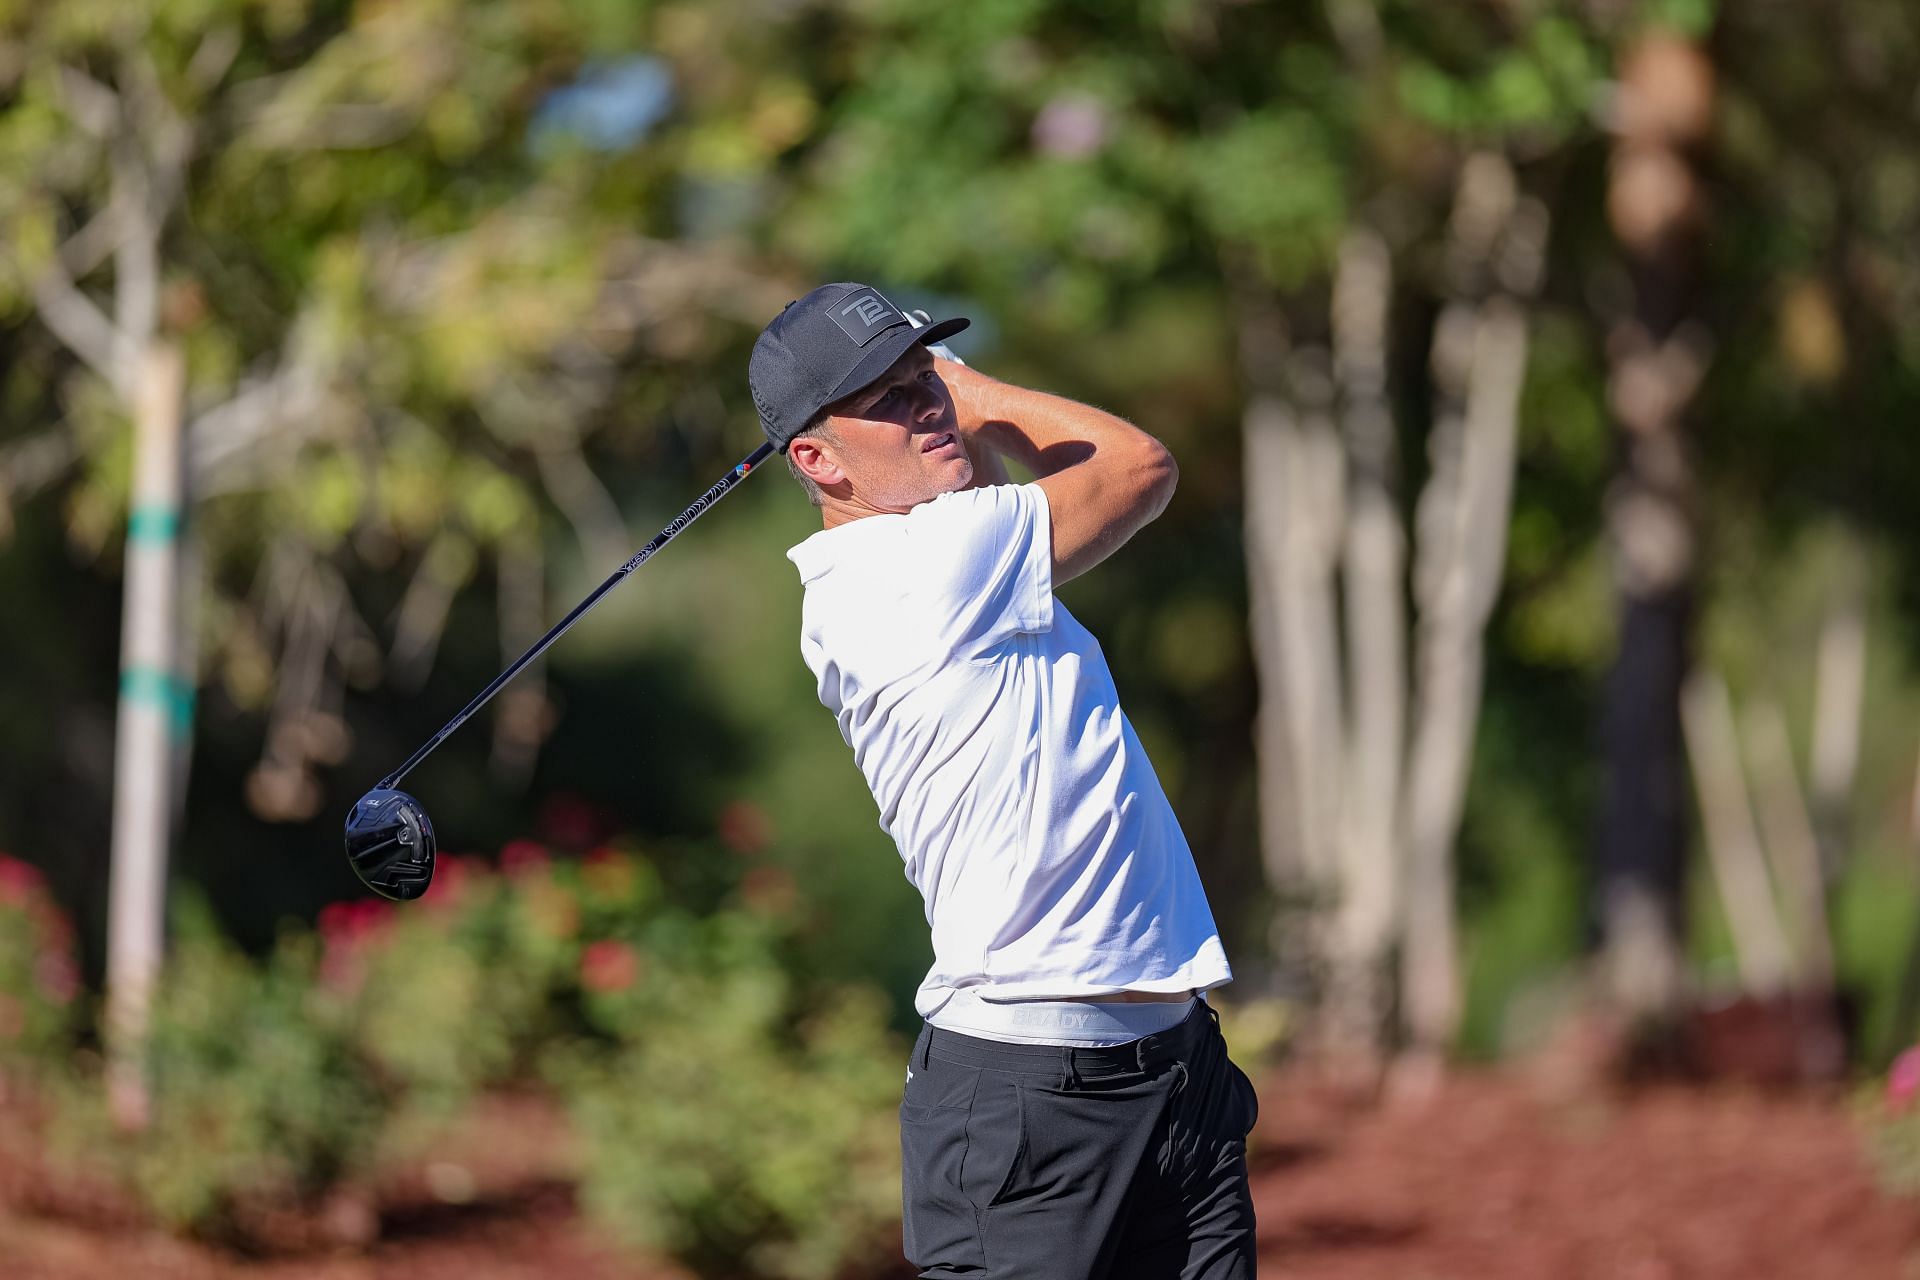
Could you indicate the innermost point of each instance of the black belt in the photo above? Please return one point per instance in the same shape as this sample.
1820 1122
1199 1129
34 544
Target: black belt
1148 1054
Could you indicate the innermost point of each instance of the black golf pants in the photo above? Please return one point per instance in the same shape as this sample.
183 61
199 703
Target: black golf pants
1031 1162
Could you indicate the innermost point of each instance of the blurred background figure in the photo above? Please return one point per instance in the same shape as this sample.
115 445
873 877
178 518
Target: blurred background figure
1528 654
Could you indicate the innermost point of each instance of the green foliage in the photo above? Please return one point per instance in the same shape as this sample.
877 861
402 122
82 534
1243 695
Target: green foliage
39 984
729 1114
260 1094
275 1081
730 1129
1875 927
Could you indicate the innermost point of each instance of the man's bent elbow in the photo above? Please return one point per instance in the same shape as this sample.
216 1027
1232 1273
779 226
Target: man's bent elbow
1160 475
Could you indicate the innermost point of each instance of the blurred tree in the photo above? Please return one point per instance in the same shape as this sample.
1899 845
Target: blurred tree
1662 115
331 299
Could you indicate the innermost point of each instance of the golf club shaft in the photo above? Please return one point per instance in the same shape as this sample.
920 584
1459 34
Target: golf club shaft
640 557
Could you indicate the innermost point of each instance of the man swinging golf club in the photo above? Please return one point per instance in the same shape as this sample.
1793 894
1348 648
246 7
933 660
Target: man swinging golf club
1070 1112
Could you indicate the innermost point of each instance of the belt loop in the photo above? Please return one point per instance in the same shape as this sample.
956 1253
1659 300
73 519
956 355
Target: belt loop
1072 1080
926 1046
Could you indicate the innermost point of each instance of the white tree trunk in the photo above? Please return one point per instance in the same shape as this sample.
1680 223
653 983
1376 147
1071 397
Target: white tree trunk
151 715
1293 470
1455 604
1788 831
1293 495
1733 844
1282 844
1479 365
1359 994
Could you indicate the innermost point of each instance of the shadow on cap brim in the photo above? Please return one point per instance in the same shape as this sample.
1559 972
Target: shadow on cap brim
890 348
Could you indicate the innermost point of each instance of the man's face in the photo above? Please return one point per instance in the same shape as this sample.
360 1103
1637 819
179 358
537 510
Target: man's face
895 443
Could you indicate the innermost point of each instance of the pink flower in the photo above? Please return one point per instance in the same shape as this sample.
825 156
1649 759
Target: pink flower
19 881
524 858
1903 1078
608 966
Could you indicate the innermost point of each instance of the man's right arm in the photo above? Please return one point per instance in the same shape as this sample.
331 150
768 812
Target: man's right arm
1104 477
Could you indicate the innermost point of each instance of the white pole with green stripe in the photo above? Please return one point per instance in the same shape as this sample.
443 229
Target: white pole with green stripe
155 718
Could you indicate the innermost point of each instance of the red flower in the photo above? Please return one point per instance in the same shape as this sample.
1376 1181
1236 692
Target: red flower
524 858
19 881
336 921
349 923
608 966
452 873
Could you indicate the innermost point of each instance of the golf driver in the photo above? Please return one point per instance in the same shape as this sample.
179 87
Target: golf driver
390 842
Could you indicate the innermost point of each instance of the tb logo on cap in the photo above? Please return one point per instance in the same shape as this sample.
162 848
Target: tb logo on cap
866 315
869 308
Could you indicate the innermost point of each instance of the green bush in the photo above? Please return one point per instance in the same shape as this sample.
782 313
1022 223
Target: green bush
39 983
259 1095
453 993
274 1082
721 1123
725 1116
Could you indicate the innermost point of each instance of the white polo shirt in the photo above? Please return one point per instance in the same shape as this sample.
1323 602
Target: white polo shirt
989 730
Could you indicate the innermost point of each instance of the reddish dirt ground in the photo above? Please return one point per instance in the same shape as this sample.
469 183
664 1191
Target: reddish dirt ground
1485 1179
1488 1179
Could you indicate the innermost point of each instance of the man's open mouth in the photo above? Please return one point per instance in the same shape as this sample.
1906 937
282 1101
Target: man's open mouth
938 441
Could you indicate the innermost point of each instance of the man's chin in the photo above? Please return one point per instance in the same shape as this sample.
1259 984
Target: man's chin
962 469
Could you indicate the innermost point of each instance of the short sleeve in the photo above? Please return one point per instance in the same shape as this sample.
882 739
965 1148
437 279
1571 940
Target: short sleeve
982 564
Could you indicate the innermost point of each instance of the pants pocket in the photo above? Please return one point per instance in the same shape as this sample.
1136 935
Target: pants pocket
938 1224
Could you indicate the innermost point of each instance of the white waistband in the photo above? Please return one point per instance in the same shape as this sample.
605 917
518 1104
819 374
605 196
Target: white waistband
1091 1024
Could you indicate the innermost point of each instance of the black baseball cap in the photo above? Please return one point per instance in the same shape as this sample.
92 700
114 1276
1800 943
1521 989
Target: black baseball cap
827 345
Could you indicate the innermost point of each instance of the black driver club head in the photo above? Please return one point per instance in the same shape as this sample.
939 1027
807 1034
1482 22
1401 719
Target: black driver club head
390 844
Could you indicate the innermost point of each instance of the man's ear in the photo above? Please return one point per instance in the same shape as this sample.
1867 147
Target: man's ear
815 463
